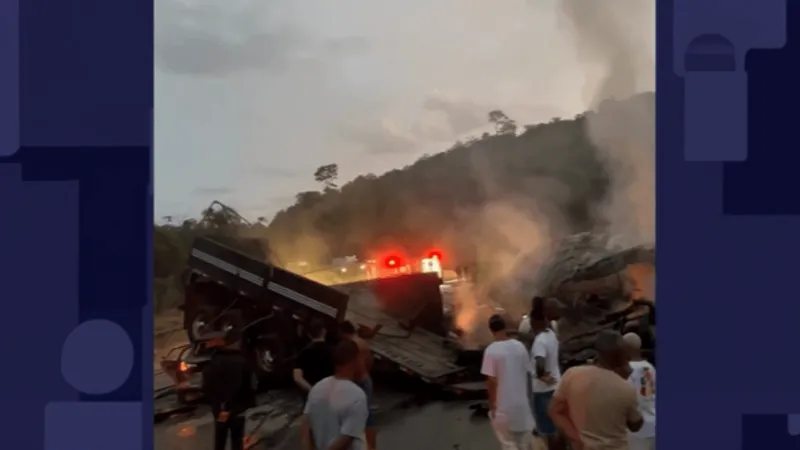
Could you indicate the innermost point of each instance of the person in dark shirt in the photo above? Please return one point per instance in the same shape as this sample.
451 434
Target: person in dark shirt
315 362
229 388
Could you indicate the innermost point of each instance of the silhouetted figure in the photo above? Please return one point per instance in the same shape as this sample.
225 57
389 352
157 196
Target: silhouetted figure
228 383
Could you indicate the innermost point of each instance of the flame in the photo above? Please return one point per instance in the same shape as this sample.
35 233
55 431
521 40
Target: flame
640 281
471 315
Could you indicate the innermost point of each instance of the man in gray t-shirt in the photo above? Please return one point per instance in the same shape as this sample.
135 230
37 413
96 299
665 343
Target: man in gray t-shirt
336 411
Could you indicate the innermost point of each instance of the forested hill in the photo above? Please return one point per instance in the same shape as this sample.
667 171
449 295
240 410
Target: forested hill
496 197
474 190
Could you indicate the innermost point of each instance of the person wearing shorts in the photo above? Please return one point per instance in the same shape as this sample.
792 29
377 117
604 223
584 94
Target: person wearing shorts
507 368
547 373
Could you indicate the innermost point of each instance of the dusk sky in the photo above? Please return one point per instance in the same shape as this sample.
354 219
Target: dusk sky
252 96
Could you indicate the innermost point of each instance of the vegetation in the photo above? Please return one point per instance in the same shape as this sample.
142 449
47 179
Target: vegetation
455 200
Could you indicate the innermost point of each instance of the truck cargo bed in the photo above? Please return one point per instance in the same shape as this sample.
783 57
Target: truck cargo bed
416 351
408 308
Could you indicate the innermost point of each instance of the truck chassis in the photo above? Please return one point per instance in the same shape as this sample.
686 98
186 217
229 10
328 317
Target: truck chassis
402 315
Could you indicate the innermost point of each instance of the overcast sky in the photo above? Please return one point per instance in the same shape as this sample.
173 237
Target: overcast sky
253 95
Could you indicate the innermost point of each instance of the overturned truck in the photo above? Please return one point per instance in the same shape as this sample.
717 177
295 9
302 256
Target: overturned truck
232 285
600 286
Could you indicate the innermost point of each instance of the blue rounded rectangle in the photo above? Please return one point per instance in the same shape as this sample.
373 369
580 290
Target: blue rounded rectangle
76 91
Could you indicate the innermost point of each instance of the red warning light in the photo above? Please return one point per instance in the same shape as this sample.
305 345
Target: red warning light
435 254
392 261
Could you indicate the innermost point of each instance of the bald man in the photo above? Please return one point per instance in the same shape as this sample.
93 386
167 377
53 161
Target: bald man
595 406
643 379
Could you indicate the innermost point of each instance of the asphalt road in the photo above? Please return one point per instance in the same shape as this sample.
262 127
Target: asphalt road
405 420
437 425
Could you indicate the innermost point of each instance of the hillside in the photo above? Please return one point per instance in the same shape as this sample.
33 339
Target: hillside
498 198
550 173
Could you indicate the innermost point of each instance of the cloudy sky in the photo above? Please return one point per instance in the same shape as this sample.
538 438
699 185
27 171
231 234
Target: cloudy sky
253 95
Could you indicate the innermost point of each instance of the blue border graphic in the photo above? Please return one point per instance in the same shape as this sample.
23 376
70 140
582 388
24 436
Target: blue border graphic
76 83
728 218
76 189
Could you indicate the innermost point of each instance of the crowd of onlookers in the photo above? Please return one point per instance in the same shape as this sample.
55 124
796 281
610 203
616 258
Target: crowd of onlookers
607 405
334 380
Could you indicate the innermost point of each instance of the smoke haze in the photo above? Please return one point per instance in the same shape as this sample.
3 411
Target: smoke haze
615 39
515 229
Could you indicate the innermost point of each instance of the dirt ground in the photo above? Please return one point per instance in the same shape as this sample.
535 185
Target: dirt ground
166 323
167 333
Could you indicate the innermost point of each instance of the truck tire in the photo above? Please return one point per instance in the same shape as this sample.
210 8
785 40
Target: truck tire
269 361
268 355
198 320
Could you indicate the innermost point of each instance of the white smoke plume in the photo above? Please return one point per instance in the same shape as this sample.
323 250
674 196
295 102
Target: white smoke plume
615 39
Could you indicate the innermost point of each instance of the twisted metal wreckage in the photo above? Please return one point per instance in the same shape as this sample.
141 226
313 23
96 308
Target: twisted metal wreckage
601 286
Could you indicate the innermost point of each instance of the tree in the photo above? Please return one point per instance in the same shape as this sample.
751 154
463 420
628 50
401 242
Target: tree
217 219
308 199
446 200
327 175
502 123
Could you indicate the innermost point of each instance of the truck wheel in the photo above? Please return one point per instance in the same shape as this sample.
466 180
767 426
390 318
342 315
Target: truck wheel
269 360
198 322
265 359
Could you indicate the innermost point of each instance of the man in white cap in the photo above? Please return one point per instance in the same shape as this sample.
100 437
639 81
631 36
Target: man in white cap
643 378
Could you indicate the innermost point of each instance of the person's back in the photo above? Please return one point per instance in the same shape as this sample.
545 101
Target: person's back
332 408
316 362
347 330
600 405
509 363
364 353
227 382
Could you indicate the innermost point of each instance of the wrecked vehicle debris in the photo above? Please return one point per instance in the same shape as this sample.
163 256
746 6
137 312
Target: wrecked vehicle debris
600 286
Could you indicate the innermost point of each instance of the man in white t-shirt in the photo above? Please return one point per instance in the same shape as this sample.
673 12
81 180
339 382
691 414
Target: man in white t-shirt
546 375
507 368
643 378
336 411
